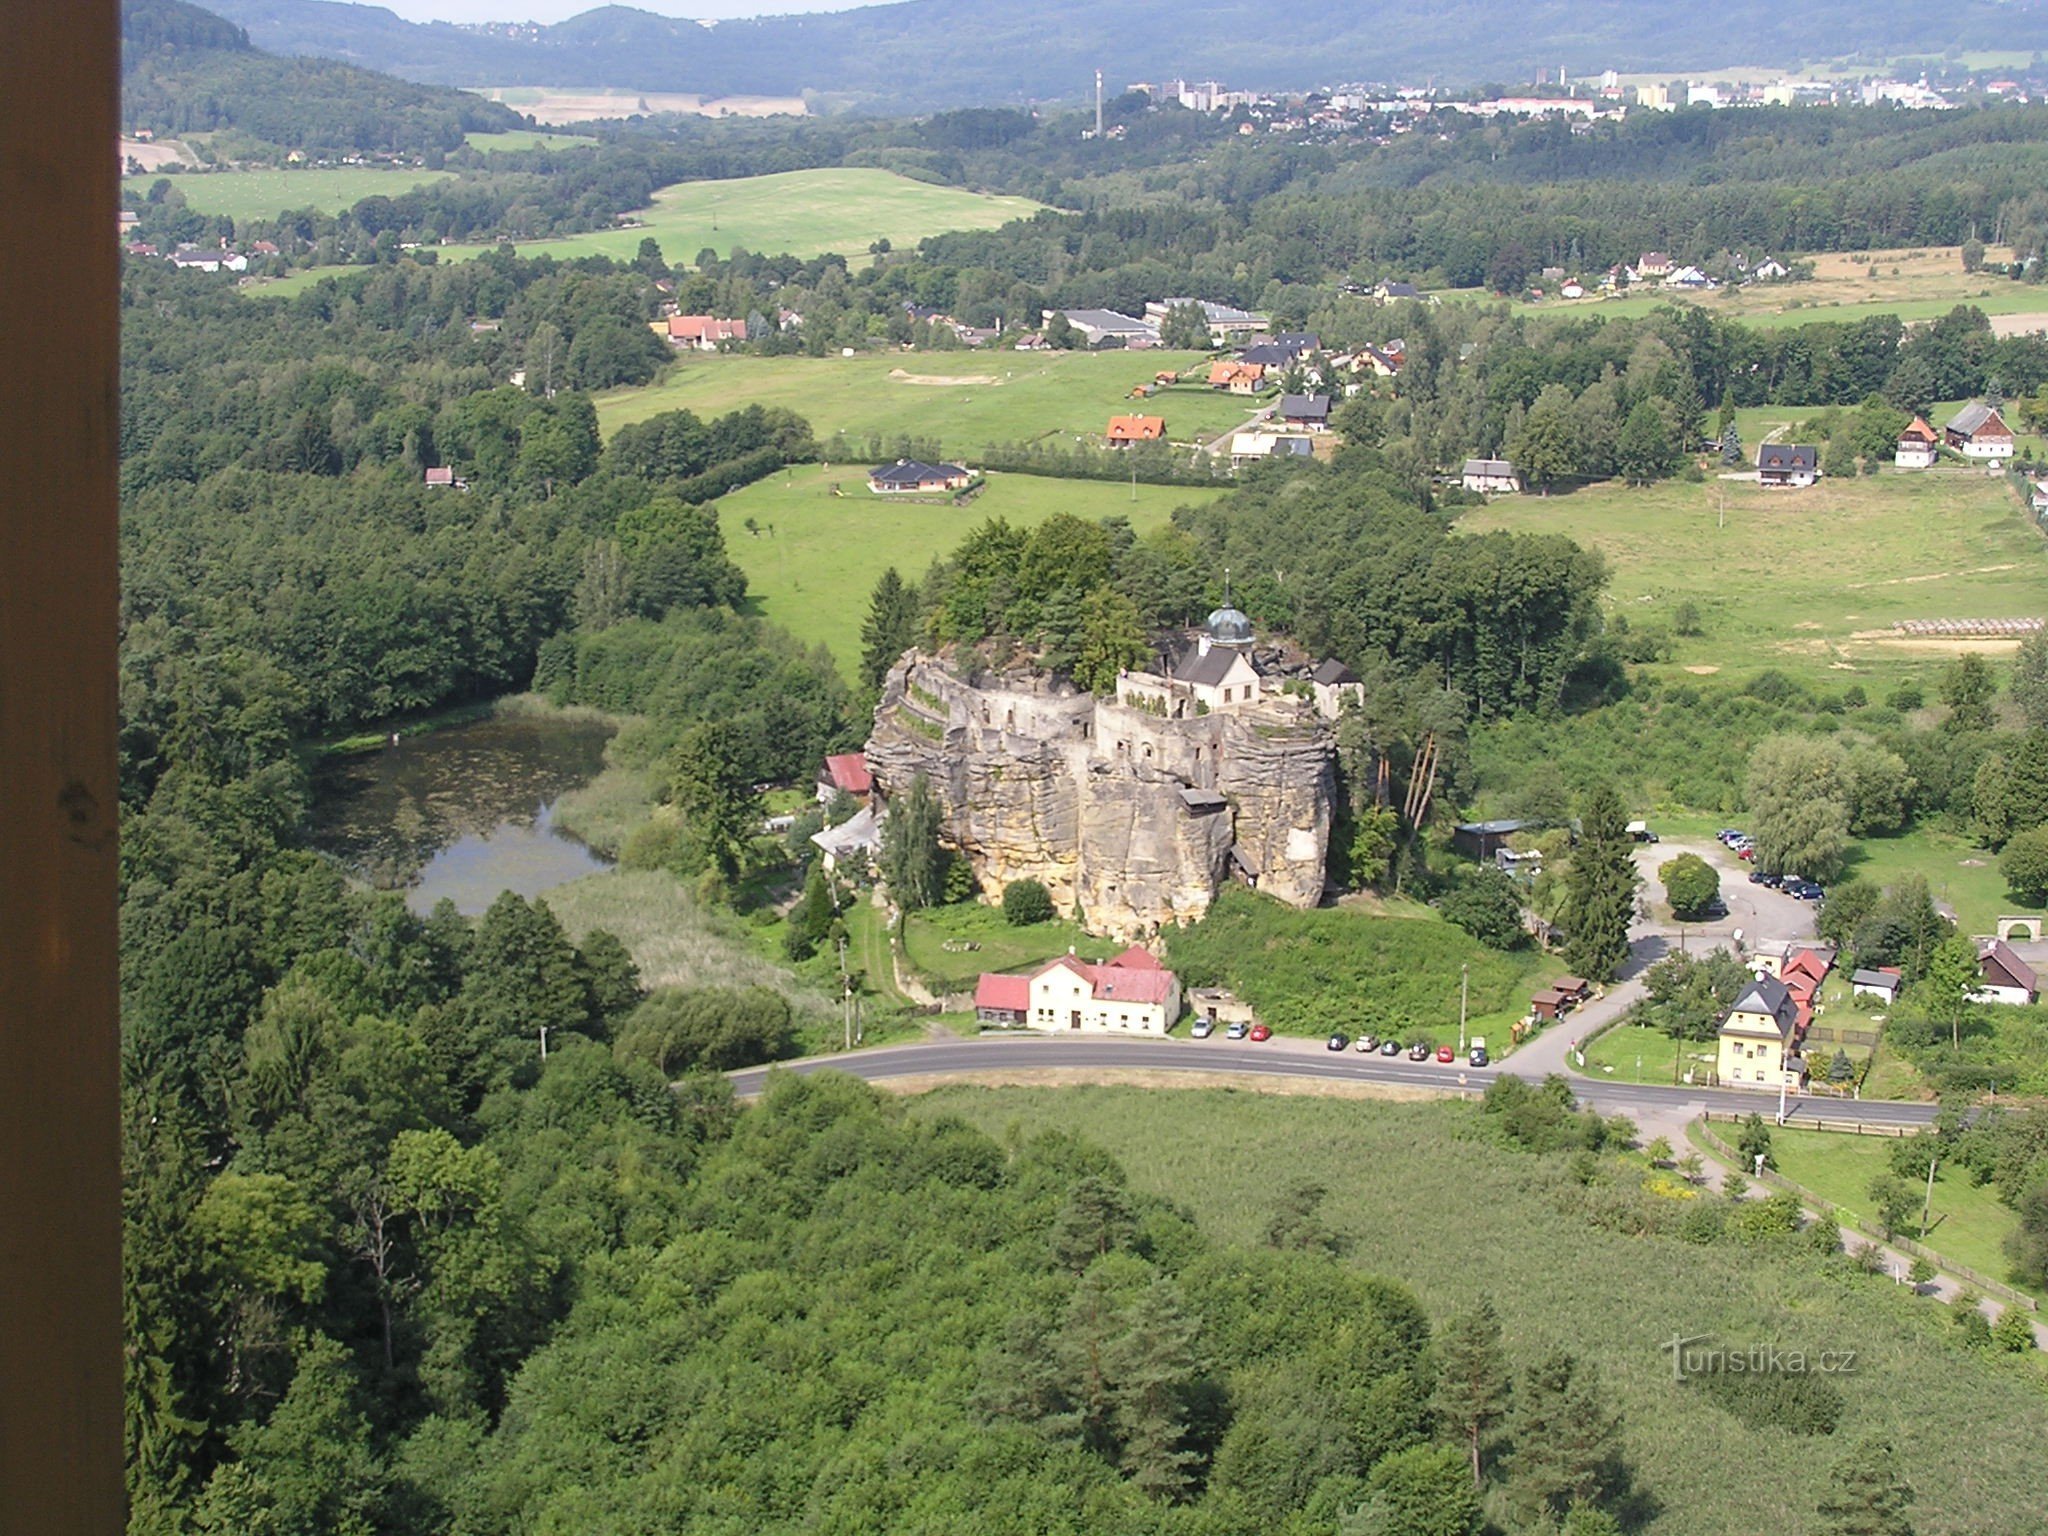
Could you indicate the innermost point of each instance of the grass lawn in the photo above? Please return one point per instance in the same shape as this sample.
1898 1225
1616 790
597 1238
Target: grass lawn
1959 875
815 558
1629 1053
1968 1224
264 194
1000 946
1805 581
529 138
797 213
965 400
1420 1199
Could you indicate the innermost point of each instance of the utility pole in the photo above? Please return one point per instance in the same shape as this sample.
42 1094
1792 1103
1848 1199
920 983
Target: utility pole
543 1043
1464 991
1781 1091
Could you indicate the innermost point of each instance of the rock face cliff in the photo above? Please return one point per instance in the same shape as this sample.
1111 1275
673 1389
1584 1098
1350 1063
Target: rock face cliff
1134 818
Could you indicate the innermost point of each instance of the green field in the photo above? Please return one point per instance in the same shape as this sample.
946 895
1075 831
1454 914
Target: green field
1630 1053
964 400
529 138
798 213
1969 1222
1419 1198
816 557
999 946
265 194
1805 581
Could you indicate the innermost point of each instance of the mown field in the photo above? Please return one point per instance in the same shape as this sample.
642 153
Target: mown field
801 213
528 138
1805 581
812 558
1421 1199
998 945
264 194
964 400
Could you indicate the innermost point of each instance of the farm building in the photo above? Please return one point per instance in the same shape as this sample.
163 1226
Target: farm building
1106 328
1978 431
1490 477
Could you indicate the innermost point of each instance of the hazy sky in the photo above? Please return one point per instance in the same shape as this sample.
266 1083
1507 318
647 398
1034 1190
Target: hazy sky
557 10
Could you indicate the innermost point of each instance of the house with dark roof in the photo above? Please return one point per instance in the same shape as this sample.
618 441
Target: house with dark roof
1106 328
1978 431
1757 1044
1304 413
1267 355
1481 839
1388 292
2004 976
1333 684
911 477
1793 465
1490 477
1883 984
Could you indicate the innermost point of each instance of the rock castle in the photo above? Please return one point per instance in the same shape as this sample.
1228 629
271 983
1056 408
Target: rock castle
1135 809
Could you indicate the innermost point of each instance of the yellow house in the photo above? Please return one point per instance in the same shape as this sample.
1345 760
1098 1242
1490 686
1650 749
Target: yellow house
1755 1041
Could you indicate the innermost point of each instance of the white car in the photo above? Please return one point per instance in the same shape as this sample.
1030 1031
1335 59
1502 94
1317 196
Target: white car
1203 1029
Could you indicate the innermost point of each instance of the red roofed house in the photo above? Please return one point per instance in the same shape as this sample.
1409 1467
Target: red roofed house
844 773
1237 378
1919 446
2007 978
1126 430
1132 994
704 332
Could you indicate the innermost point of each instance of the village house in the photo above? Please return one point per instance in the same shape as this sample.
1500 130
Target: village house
1883 983
2005 976
1919 446
1126 430
1572 289
1385 362
1793 465
1480 840
1978 431
1387 293
844 773
444 477
1490 477
1756 1043
1237 378
1254 447
1304 413
1131 994
705 333
853 844
1335 684
194 259
1651 264
913 477
1770 270
1688 277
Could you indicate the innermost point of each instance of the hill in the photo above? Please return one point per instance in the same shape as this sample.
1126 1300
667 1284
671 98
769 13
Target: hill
939 52
185 70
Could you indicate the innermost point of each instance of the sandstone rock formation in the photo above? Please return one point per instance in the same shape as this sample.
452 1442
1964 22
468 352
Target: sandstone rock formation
1134 818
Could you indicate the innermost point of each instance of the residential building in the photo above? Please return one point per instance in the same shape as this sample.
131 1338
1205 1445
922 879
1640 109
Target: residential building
1305 413
1335 684
1787 464
444 477
193 259
852 844
1126 430
1253 447
1387 293
1214 673
1757 1042
1237 378
704 333
1652 264
844 773
1919 446
1131 994
1883 984
911 477
1106 328
1385 362
1480 840
1688 277
2006 977
1978 431
1490 477
1770 270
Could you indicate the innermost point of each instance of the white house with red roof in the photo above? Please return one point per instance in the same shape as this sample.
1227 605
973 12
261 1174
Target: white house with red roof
844 773
2006 977
704 332
1131 994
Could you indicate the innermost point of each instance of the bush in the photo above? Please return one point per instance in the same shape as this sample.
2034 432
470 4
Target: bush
1026 902
1787 1404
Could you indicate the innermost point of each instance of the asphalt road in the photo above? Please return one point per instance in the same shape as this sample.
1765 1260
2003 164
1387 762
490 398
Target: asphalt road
1288 1058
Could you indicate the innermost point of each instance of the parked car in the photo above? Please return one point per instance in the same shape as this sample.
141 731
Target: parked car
1368 1043
1806 890
1338 1041
1261 1032
1717 908
1745 853
1758 877
1203 1028
1237 1031
1478 1058
1446 1055
1724 834
1390 1047
1418 1052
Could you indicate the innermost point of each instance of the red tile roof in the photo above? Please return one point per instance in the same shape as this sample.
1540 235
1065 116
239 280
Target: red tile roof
1129 429
998 991
1137 958
849 771
705 328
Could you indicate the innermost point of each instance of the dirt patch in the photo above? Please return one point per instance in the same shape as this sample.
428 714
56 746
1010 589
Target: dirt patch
1703 671
1900 581
155 155
2019 325
1806 624
1144 1077
942 380
1932 645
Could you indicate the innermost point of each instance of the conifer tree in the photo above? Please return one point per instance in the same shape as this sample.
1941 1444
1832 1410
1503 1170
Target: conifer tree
1600 889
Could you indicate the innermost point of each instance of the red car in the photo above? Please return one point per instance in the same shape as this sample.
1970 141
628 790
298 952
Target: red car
1445 1054
1261 1032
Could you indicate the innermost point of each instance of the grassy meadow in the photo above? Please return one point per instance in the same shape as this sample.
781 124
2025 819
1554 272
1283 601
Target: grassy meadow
1809 581
813 558
264 194
965 400
528 138
1631 1053
999 946
1420 1198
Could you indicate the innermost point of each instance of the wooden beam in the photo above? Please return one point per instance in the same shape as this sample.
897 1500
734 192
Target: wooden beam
60 1170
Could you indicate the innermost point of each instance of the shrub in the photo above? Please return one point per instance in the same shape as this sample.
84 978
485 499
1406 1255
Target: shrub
1788 1404
1026 902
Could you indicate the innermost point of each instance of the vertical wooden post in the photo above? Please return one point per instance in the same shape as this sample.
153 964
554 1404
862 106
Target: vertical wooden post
60 1172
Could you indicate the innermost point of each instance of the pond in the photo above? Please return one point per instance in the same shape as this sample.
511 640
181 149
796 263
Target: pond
462 813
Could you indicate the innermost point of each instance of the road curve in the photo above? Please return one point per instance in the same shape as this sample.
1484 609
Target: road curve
1291 1059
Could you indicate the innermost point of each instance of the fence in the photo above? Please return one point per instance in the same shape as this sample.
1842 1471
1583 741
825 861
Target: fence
1849 1221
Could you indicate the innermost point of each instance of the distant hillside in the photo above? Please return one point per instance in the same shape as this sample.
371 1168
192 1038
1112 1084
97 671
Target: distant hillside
922 53
186 70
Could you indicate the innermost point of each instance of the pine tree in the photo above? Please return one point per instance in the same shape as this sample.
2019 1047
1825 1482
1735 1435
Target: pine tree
1600 889
1473 1386
891 627
913 863
1153 1364
1567 1437
1868 1494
